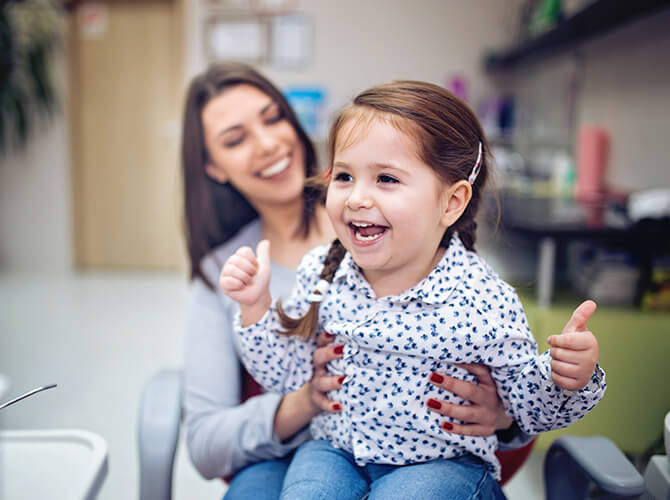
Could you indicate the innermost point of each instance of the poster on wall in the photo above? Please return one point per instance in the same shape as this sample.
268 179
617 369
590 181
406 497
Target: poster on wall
274 7
244 39
291 41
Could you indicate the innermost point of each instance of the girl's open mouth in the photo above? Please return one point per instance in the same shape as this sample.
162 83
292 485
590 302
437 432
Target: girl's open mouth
366 233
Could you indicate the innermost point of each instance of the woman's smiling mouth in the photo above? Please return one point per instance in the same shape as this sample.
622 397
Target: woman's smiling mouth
276 168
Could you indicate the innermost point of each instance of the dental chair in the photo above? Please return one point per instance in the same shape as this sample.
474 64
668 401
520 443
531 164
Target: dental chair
571 465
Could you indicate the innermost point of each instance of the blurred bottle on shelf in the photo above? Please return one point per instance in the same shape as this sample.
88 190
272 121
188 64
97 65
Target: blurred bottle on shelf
592 153
563 175
458 84
544 16
656 296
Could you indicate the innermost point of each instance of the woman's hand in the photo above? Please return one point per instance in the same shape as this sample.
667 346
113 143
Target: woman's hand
485 414
321 381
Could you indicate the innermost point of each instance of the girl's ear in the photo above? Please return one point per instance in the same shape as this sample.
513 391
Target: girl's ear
458 196
216 173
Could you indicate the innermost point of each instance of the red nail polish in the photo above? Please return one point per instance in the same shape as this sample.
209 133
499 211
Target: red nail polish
338 349
328 335
341 379
337 406
437 378
432 403
447 426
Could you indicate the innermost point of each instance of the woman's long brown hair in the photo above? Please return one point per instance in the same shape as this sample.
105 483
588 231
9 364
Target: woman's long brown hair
215 212
447 135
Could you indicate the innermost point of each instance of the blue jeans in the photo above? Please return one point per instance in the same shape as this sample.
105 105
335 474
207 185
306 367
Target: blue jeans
320 471
260 481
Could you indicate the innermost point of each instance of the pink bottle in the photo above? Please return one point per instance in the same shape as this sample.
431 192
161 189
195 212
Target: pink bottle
592 153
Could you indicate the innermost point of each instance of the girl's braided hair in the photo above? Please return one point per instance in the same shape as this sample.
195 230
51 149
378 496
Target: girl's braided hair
306 326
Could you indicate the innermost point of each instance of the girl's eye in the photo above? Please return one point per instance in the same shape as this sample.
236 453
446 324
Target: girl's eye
342 177
387 179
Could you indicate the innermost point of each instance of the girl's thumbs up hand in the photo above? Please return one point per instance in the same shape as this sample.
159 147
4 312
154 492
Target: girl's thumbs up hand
574 353
245 277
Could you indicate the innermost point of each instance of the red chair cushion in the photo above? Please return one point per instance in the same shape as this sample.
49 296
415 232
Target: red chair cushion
250 387
512 460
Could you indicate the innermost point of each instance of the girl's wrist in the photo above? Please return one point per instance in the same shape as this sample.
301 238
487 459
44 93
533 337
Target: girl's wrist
252 313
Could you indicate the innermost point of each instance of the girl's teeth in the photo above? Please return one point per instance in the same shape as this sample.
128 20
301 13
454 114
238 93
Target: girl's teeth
275 169
360 237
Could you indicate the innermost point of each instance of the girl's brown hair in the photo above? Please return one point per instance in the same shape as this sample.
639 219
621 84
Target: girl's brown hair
215 212
447 134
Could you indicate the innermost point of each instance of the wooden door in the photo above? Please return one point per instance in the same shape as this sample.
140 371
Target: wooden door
126 91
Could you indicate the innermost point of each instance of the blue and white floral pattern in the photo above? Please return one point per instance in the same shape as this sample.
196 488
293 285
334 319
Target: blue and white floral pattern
461 313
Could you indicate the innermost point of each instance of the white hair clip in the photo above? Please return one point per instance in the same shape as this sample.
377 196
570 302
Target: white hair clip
475 170
321 288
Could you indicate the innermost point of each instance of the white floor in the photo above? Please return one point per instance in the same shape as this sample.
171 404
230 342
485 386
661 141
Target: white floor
99 337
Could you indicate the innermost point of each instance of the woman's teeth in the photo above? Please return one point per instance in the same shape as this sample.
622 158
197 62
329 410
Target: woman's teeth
275 169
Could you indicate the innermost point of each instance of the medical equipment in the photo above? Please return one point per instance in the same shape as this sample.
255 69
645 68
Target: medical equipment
27 394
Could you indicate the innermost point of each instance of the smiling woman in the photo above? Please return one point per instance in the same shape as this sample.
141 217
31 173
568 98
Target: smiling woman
239 128
245 159
251 145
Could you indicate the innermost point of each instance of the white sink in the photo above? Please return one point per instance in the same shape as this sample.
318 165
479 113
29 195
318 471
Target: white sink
55 464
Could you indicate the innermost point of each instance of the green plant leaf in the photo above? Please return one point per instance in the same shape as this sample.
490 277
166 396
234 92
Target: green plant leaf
27 90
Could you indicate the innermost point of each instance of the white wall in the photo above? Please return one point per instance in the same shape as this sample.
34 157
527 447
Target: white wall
361 43
35 201
356 44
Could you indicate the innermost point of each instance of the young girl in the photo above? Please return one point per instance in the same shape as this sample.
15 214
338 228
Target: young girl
406 293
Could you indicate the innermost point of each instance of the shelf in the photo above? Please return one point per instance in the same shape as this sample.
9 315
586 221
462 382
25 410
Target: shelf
597 18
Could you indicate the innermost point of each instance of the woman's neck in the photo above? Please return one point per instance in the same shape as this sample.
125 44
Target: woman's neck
280 223
287 244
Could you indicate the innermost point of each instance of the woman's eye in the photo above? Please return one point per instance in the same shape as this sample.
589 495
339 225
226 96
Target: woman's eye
276 116
342 177
233 142
387 179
